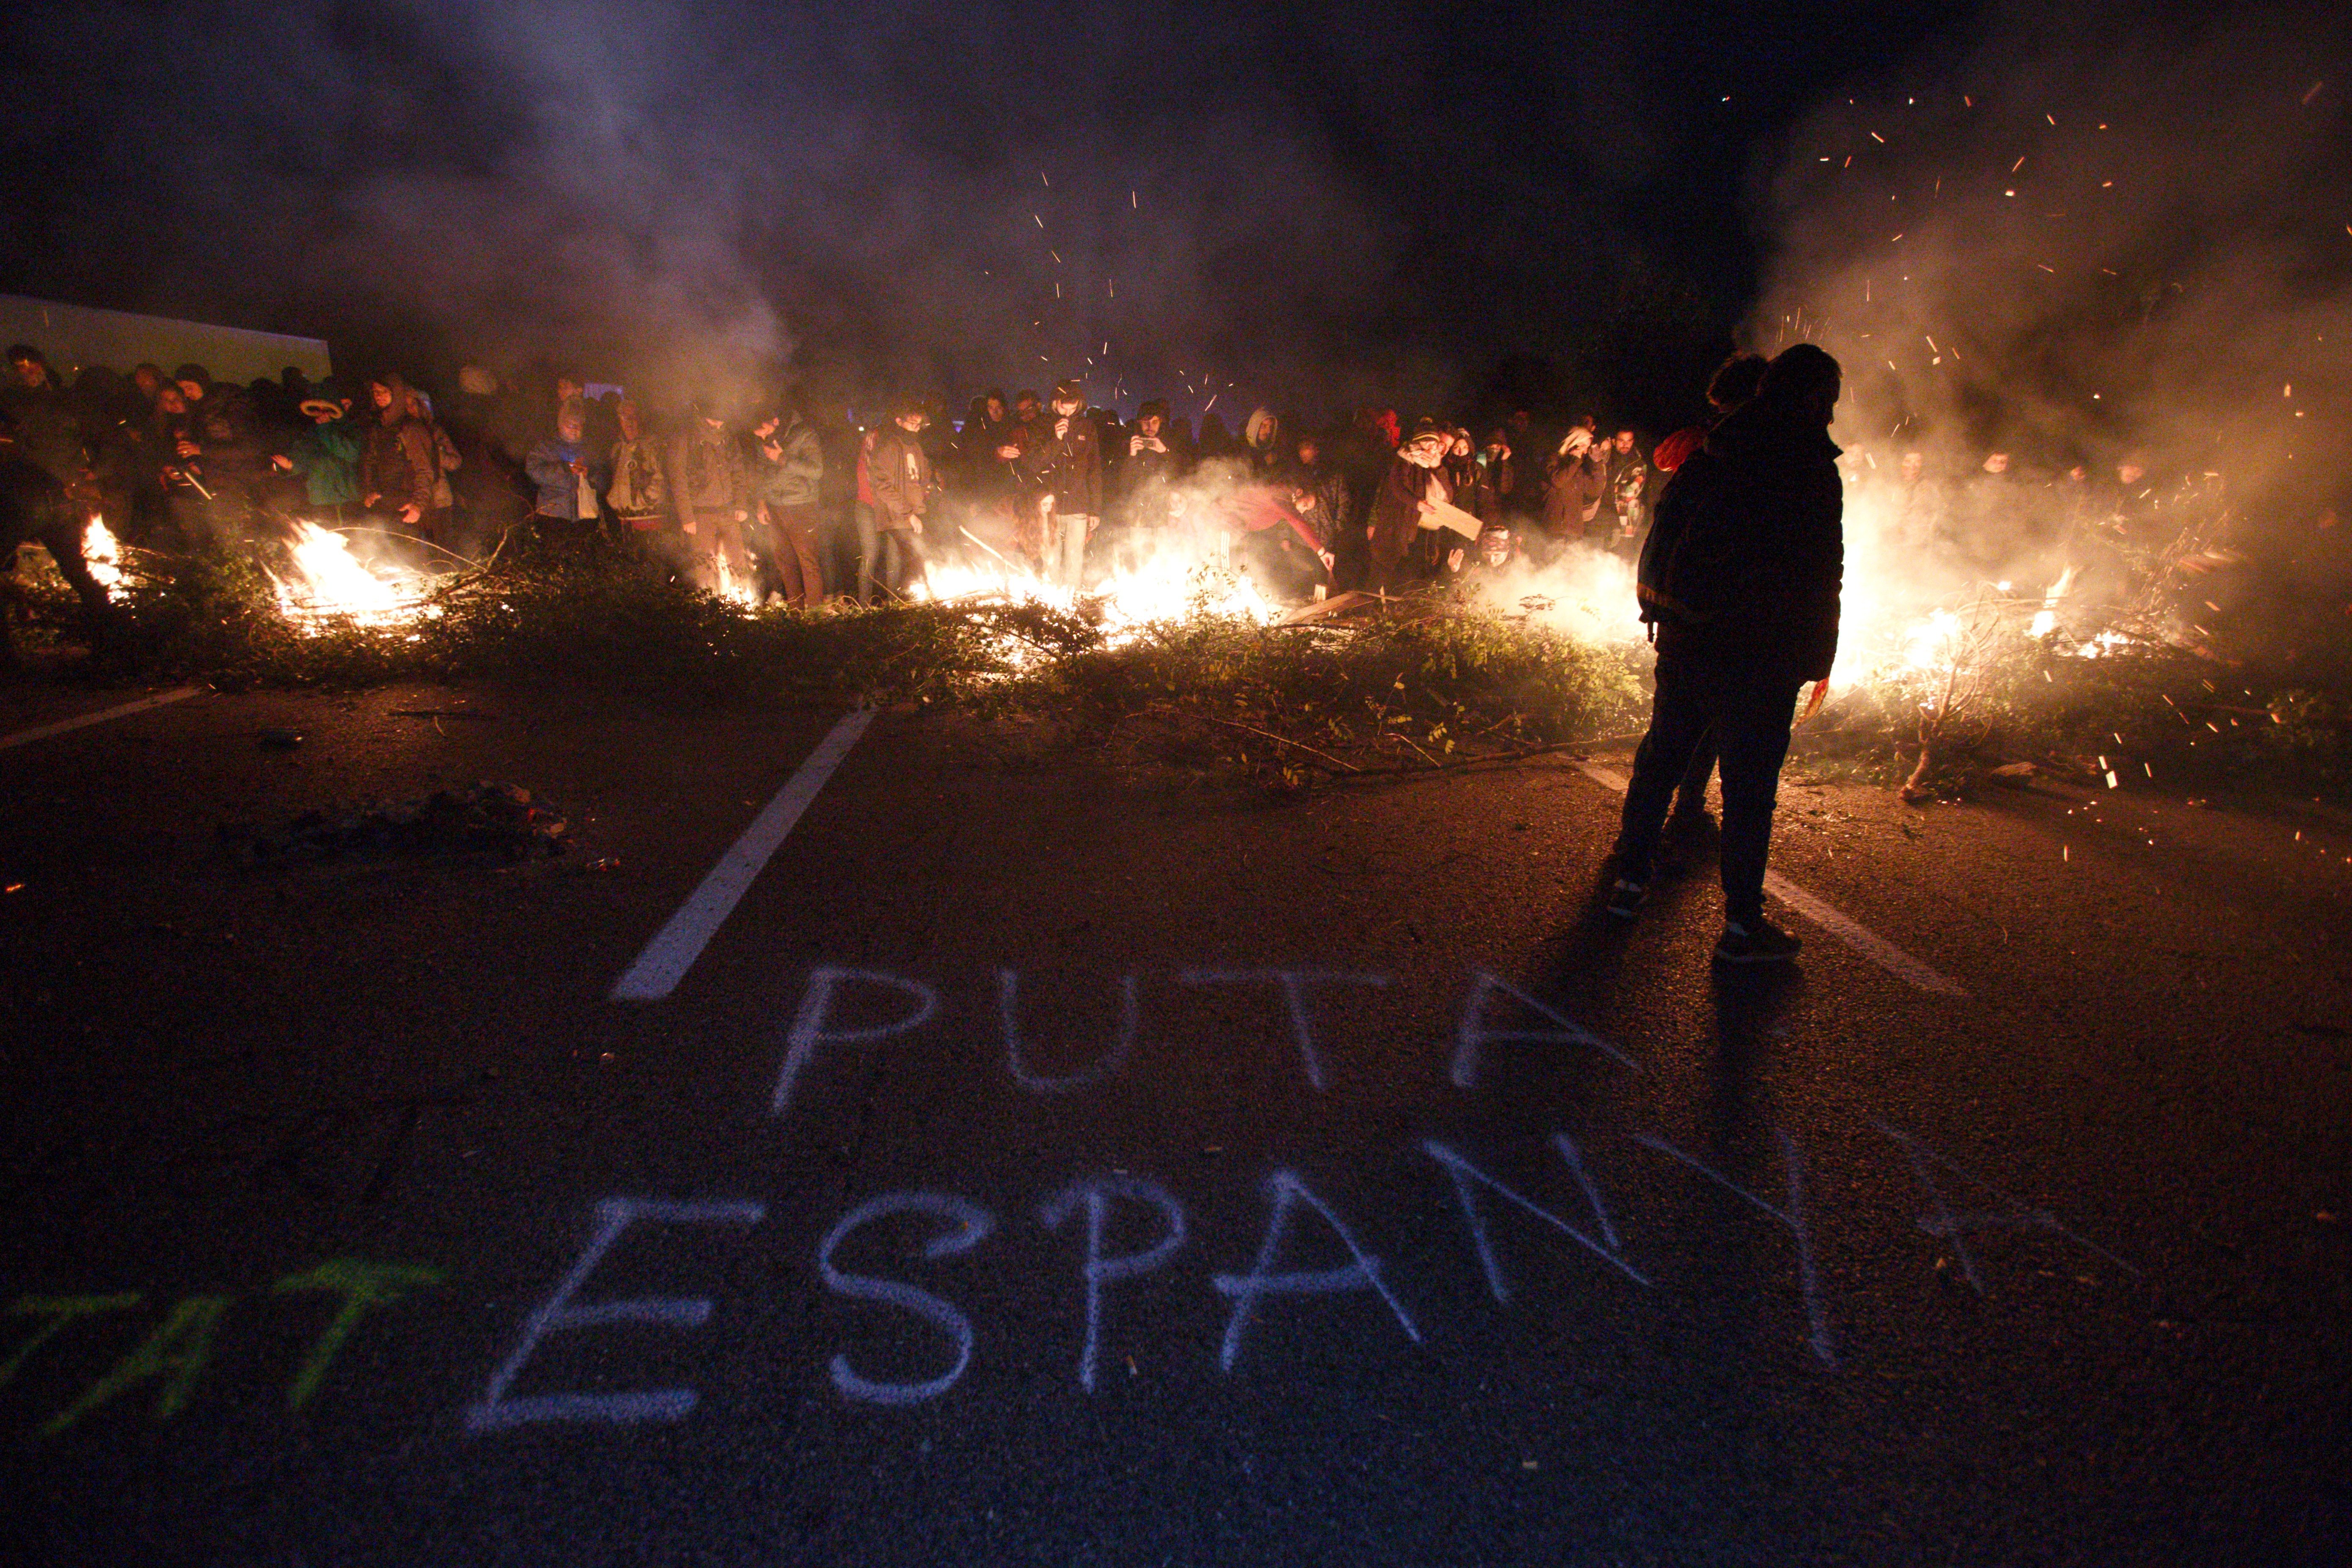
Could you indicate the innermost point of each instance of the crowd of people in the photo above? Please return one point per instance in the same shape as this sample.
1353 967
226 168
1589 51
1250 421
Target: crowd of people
798 504
795 504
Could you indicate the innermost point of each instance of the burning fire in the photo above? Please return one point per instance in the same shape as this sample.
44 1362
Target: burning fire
329 583
102 554
1170 584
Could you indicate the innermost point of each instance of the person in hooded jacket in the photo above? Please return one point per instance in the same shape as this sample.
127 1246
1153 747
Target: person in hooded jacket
710 490
1763 501
325 456
1068 471
904 488
565 512
1262 445
400 472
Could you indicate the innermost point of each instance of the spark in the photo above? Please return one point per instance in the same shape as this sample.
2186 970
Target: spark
2016 166
1038 221
1040 178
2313 93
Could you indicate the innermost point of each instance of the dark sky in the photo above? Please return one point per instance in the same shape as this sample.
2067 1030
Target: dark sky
1291 199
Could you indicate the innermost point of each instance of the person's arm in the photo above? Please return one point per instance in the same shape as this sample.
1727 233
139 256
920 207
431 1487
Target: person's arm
804 458
885 471
423 467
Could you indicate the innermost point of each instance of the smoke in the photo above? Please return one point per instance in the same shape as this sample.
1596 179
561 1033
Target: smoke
1287 202
2092 239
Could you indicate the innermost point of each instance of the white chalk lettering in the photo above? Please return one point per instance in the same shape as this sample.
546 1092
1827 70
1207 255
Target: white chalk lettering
812 1025
1793 1217
1463 1173
1008 1006
969 1225
497 1412
1472 1036
1946 1225
1098 1194
1294 983
1284 1189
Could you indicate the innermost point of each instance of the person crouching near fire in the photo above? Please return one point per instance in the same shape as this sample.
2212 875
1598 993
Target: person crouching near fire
900 472
1744 595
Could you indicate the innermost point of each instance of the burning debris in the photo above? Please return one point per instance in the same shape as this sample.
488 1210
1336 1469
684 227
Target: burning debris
493 821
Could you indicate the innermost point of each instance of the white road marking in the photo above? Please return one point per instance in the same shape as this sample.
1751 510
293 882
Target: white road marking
64 726
674 949
1851 932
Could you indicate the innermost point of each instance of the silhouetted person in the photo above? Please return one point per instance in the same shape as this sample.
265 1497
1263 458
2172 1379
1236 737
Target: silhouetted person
1747 617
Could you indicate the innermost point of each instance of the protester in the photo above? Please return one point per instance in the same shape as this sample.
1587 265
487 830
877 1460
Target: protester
1746 610
787 469
1066 470
400 473
564 512
326 455
1579 478
903 490
1408 493
636 493
710 496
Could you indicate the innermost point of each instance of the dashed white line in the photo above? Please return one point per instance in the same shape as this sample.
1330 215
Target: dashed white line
1851 932
675 947
65 726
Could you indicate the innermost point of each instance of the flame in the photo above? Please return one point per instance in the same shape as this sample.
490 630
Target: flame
2045 620
329 583
1172 583
102 554
727 585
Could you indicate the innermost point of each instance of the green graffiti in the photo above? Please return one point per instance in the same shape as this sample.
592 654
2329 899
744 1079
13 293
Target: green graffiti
362 1285
175 1353
62 1311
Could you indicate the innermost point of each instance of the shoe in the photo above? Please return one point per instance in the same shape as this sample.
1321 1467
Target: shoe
1756 942
1625 898
1697 822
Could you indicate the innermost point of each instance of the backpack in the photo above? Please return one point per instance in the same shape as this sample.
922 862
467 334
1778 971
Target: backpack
1695 559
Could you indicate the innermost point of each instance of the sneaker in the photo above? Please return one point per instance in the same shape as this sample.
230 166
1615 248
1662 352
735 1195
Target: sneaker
1625 898
1756 942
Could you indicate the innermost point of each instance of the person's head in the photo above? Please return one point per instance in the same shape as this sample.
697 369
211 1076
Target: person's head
169 399
1576 443
1068 398
31 367
1914 464
1461 447
1521 420
764 423
1803 381
193 381
476 380
1498 444
1309 450
148 378
994 407
911 414
630 422
1623 441
1996 462
571 420
567 389
1735 382
1025 403
1428 444
381 393
2132 469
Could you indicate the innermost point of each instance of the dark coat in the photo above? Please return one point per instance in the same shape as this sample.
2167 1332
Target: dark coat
1775 481
900 470
1396 516
1067 466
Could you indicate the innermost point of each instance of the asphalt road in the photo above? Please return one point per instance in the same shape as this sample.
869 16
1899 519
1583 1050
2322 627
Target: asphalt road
348 1221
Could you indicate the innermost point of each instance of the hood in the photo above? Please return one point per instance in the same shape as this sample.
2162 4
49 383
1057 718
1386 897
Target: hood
1262 428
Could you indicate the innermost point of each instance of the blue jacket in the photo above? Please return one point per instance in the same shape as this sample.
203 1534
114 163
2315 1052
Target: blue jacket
549 467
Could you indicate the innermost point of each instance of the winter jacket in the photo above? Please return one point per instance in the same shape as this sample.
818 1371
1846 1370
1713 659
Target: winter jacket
1067 466
791 477
327 459
1773 481
900 471
557 491
706 471
1396 510
1573 495
638 491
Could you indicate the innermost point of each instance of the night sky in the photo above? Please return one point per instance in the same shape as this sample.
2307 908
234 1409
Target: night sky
1315 203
